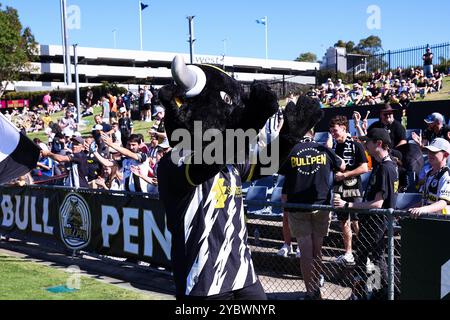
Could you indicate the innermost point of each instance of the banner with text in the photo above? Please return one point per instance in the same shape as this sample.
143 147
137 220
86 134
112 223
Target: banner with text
13 104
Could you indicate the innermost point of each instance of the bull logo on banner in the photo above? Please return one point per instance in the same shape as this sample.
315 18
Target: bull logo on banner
75 222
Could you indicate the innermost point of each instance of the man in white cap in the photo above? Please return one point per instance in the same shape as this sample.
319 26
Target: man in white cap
159 113
158 129
436 128
436 192
125 126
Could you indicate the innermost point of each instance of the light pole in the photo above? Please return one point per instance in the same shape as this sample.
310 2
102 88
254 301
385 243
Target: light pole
77 84
66 46
140 26
224 52
267 46
224 46
191 37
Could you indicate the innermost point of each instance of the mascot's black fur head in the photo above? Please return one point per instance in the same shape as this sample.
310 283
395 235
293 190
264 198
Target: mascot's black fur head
206 93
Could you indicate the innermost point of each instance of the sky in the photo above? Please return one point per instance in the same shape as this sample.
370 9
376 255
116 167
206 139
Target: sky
229 26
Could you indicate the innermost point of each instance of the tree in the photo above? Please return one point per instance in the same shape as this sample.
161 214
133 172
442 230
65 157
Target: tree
369 45
307 57
349 46
17 48
340 44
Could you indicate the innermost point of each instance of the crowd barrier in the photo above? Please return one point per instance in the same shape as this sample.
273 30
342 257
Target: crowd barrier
119 224
128 225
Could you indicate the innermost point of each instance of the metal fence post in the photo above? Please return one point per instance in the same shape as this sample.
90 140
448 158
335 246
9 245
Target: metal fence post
389 56
391 252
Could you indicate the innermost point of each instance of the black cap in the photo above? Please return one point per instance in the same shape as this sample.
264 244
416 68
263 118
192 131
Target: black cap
386 108
78 140
378 134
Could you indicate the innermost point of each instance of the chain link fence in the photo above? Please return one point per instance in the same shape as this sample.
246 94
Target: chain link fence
374 273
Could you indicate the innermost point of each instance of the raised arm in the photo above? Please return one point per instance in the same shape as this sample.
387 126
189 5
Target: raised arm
124 151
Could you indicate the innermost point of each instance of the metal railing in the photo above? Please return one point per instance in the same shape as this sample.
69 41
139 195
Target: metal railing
410 58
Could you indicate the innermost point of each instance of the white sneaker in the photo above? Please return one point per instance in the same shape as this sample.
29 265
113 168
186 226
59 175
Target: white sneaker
370 266
347 258
285 250
298 254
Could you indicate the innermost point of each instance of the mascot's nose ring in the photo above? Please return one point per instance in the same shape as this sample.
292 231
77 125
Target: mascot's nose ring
191 78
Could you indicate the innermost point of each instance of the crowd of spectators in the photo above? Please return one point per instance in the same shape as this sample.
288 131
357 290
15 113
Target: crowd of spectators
112 156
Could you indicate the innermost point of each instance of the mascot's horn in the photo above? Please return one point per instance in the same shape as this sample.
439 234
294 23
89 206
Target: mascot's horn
190 78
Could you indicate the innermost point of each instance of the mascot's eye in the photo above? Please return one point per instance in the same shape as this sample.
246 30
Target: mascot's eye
226 98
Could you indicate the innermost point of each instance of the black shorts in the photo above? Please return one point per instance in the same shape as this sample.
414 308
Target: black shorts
353 216
147 107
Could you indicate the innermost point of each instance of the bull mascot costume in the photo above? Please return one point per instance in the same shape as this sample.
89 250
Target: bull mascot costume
210 255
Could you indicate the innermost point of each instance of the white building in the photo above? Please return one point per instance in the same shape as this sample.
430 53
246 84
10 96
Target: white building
130 67
329 60
346 62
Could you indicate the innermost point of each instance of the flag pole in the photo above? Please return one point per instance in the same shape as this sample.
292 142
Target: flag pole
267 23
140 23
66 50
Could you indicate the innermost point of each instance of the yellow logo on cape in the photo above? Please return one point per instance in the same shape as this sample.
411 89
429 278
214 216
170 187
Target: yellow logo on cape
222 193
220 196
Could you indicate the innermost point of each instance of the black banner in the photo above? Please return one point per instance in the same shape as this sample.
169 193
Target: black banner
416 112
120 225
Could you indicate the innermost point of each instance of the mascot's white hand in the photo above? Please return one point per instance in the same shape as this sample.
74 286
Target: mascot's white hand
271 129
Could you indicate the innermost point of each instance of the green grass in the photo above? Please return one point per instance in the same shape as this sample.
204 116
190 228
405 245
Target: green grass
23 280
139 126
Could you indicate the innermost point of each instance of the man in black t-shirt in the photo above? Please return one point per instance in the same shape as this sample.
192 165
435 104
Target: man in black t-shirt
348 184
125 126
381 194
428 63
375 91
308 170
94 166
395 129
